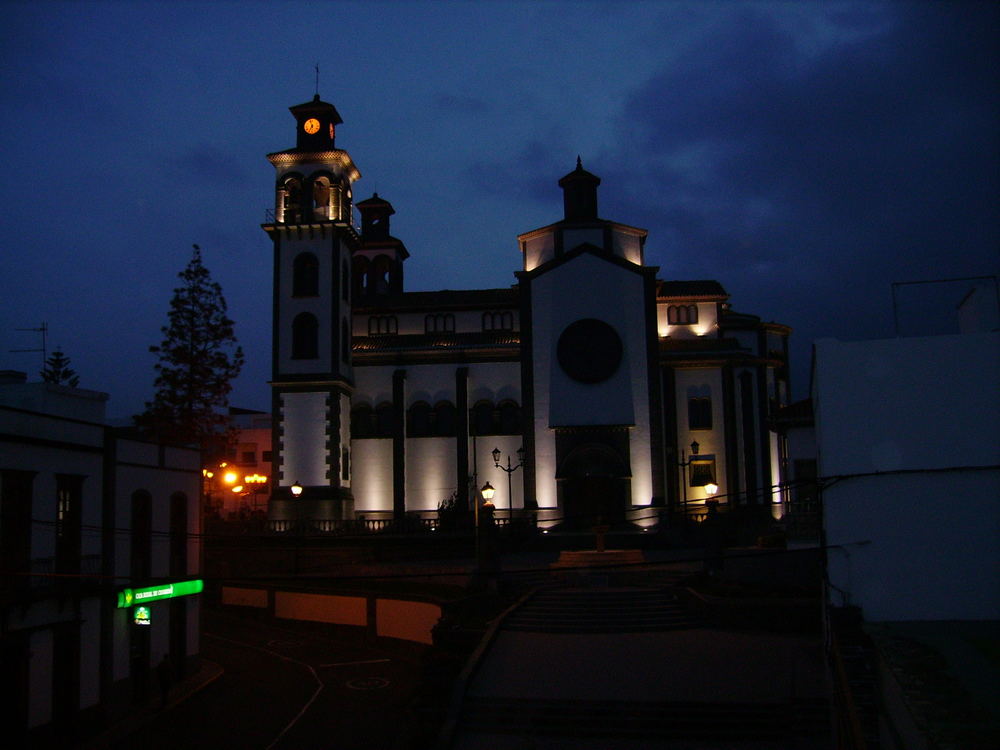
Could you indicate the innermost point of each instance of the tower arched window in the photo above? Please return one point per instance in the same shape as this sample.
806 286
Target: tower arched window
345 281
291 200
305 275
321 199
305 337
345 341
378 275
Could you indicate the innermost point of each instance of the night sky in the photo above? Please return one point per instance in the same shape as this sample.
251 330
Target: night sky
806 155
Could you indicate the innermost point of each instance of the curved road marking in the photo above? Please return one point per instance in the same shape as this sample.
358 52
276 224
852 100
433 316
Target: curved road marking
308 703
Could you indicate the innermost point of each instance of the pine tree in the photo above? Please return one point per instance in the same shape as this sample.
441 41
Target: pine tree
198 360
58 371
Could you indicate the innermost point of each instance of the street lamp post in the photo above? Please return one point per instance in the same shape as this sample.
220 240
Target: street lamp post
685 462
508 469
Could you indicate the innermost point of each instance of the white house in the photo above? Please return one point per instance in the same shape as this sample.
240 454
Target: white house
86 515
908 443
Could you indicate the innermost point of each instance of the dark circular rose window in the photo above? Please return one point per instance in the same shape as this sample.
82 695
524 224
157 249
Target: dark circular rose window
589 350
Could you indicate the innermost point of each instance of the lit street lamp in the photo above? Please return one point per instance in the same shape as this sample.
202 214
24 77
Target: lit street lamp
296 489
508 469
684 465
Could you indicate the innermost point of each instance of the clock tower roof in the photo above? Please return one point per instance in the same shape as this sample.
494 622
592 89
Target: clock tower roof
316 122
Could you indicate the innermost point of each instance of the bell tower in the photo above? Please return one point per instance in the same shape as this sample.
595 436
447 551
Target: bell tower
314 237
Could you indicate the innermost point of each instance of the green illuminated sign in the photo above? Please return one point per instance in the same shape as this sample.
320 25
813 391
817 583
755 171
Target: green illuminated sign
128 597
142 616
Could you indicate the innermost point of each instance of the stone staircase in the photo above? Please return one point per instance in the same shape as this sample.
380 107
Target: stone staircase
601 610
800 725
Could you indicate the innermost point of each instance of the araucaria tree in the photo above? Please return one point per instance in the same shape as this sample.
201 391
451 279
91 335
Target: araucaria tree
198 360
58 371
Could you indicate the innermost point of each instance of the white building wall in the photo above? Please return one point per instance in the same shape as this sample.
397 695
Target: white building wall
560 297
430 474
918 539
371 482
304 457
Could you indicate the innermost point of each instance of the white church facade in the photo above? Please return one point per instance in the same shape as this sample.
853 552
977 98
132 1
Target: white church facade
620 395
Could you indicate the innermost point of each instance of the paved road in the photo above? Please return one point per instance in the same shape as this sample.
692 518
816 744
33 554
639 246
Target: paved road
289 685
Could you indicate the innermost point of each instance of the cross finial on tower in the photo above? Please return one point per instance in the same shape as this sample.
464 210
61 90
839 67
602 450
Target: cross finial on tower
317 79
579 164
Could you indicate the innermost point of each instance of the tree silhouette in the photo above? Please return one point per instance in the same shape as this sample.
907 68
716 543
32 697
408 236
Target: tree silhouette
58 371
198 360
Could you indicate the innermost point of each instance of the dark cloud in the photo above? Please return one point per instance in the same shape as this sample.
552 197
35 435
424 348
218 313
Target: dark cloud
845 169
206 164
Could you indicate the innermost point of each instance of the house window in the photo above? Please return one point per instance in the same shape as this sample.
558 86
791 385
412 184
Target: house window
700 413
702 471
69 497
439 323
305 275
682 314
380 325
305 337
267 457
248 457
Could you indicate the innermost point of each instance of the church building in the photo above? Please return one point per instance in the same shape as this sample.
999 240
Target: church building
589 389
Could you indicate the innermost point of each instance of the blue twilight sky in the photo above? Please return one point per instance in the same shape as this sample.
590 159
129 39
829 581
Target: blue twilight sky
804 154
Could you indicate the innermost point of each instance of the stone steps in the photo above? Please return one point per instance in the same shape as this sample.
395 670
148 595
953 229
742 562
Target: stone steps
601 610
647 720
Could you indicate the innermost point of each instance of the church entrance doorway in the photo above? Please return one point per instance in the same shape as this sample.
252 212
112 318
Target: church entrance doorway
594 487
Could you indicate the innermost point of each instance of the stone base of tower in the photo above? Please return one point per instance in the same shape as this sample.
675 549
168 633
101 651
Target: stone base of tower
315 509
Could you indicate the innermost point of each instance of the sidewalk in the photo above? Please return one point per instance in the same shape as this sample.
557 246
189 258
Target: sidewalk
139 717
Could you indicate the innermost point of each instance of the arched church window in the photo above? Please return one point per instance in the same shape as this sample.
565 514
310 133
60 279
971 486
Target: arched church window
360 264
510 418
385 420
362 422
682 314
305 275
439 323
291 194
337 202
382 325
305 336
444 419
345 341
345 281
482 418
418 420
699 413
321 199
498 320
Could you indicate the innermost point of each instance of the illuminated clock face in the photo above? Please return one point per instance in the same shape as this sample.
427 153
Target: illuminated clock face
311 126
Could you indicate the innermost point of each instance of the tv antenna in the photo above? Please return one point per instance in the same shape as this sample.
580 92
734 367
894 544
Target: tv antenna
44 329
